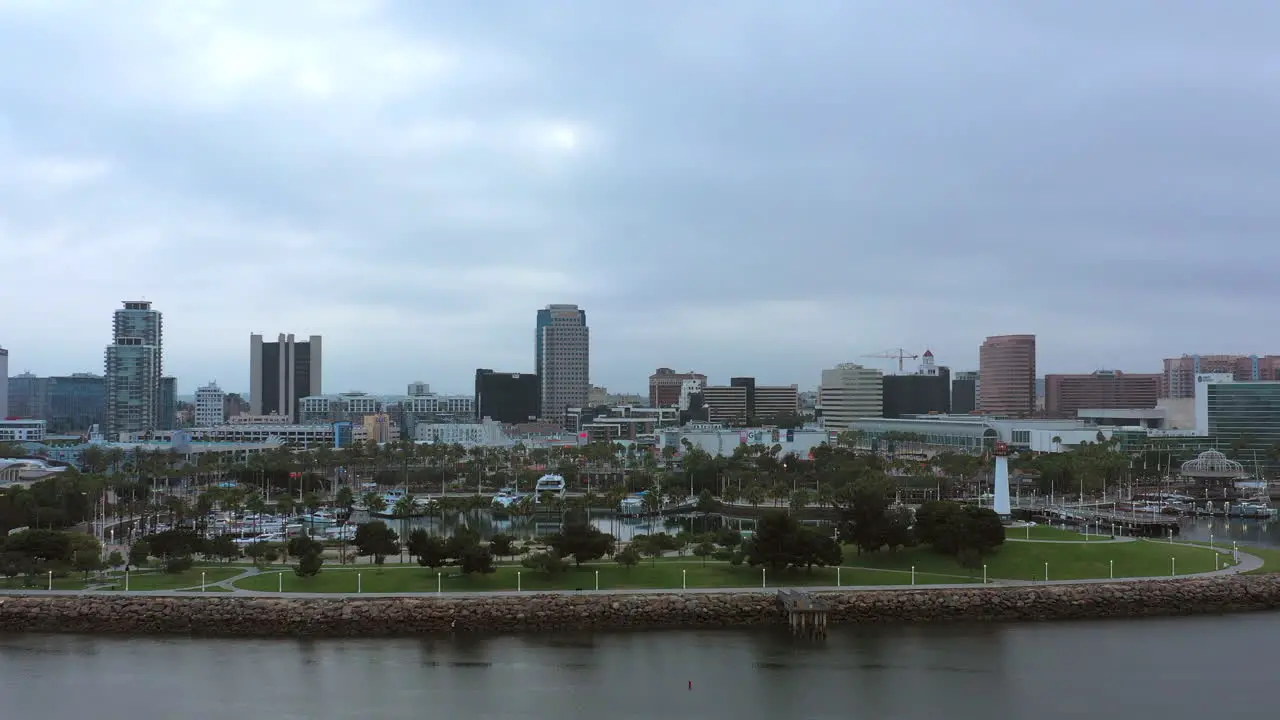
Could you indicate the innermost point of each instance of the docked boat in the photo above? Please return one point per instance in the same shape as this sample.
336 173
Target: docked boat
633 505
507 497
553 484
341 532
320 517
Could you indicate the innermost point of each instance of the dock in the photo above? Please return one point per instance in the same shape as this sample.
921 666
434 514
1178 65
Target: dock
1139 524
806 615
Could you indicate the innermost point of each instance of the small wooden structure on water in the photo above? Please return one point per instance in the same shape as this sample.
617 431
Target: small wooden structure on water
806 614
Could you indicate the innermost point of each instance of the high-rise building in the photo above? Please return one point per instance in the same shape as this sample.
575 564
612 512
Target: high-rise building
1180 373
927 391
964 392
1064 395
281 373
72 403
1007 371
849 392
211 406
1244 414
134 366
4 383
563 361
168 419
417 388
665 385
506 397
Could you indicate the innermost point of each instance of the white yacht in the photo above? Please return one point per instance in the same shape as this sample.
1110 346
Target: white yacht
549 484
319 518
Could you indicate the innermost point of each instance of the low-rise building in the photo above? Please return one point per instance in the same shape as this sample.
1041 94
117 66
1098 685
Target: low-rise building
486 433
17 431
720 441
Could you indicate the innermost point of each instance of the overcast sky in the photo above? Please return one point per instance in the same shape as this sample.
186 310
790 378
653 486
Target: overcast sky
746 187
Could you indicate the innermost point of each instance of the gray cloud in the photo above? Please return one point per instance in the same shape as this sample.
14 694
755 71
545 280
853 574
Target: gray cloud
738 187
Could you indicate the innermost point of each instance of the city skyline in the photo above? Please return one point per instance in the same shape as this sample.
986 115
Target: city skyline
705 183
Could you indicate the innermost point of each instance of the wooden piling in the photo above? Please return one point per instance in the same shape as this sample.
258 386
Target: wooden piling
806 615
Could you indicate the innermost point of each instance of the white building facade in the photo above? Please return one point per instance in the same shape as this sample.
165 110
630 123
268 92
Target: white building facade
487 433
22 431
211 404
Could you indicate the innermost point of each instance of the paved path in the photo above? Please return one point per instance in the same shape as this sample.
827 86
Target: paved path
1099 541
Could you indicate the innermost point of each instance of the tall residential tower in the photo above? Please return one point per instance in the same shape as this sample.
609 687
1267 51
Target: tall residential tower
562 360
134 366
281 373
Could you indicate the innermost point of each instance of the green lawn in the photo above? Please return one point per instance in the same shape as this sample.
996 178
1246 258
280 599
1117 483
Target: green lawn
669 575
1067 561
1045 532
1270 556
156 580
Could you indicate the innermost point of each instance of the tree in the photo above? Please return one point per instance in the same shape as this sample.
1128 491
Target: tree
376 540
501 545
704 550
966 532
728 537
257 552
775 542
428 549
87 561
176 543
310 554
896 531
581 541
139 552
547 562
476 559
628 558
115 559
344 498
40 550
781 542
224 548
863 505
654 545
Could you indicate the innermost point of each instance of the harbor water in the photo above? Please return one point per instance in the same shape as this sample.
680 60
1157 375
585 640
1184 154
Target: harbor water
1193 668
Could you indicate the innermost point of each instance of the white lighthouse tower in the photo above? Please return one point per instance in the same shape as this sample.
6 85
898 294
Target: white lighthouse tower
1002 507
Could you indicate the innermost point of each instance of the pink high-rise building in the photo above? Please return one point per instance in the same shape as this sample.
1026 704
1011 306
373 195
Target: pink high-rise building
1007 375
1180 372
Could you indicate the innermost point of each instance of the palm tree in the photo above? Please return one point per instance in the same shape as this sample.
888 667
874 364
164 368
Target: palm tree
344 498
403 510
373 502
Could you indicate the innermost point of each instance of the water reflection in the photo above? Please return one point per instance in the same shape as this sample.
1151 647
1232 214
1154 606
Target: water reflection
1263 533
1165 668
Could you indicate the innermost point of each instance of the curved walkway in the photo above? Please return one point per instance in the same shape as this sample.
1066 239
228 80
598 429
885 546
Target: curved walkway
1118 539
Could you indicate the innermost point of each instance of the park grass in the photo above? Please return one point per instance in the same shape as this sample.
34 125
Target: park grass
1270 557
156 580
1067 561
1043 532
645 576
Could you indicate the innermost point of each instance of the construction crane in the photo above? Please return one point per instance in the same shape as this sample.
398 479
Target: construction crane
892 353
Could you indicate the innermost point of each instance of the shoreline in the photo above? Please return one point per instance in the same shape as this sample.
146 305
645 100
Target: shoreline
234 615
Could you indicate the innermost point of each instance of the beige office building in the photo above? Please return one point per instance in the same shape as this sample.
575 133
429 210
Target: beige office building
849 392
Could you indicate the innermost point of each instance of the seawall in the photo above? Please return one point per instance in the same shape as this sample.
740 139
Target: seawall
243 616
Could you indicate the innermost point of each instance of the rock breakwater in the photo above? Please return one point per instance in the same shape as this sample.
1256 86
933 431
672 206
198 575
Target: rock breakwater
246 616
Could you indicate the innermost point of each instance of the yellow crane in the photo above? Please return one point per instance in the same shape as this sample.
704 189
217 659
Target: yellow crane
892 353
